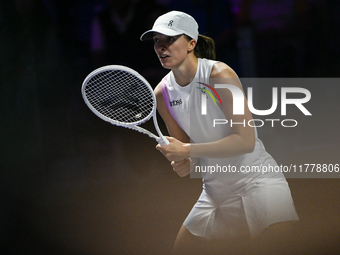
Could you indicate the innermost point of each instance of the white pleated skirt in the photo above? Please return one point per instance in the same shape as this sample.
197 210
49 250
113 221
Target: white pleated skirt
246 211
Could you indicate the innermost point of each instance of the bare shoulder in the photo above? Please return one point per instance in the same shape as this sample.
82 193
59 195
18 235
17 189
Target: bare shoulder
222 70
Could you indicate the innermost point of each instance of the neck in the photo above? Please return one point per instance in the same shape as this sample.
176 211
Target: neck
184 73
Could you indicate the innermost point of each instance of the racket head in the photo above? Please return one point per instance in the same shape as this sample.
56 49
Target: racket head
119 95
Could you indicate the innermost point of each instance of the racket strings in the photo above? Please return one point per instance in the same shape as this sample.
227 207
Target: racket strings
120 96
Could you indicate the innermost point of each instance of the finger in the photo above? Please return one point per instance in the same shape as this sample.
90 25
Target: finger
178 168
177 163
183 172
169 138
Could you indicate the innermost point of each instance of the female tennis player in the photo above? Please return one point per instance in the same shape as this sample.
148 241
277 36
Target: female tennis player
232 204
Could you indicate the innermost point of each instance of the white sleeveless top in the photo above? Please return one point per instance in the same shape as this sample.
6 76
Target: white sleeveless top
231 204
184 104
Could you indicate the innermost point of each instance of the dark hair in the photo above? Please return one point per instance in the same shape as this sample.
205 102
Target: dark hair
205 47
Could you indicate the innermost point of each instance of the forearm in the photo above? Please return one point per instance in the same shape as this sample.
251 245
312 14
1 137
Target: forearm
230 146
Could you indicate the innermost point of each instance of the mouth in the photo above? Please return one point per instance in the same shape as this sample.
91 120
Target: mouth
163 57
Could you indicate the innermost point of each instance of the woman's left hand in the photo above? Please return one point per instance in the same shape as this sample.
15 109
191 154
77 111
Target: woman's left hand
175 151
182 168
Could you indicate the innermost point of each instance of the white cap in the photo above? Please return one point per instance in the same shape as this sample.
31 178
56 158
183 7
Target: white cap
173 23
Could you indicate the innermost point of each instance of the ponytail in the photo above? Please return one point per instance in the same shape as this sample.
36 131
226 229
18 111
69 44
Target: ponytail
205 47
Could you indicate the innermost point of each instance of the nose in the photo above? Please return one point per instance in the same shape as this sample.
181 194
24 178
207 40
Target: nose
160 47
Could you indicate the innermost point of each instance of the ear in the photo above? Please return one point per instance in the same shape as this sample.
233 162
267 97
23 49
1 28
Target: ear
191 45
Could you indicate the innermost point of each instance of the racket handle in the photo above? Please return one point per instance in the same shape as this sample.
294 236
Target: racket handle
163 141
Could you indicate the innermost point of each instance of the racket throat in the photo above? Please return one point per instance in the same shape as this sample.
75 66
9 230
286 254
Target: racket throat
161 139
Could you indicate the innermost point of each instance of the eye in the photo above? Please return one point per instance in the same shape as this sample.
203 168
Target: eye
171 39
155 40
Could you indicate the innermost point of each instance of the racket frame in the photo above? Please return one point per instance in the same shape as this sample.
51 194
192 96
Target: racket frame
133 125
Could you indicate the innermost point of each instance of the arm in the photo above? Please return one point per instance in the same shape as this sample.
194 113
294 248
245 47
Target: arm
173 128
240 142
182 167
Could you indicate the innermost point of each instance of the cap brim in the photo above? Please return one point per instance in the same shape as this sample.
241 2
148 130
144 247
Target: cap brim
162 30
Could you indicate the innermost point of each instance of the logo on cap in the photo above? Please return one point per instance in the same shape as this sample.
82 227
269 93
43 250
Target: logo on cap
170 23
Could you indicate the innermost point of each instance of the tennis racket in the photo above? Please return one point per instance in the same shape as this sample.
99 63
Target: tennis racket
122 97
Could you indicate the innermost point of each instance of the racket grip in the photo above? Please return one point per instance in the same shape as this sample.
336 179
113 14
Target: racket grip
163 141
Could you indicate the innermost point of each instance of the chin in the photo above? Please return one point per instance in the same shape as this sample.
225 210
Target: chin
166 66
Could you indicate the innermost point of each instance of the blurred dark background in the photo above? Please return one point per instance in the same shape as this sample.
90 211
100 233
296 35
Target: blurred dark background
73 184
